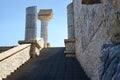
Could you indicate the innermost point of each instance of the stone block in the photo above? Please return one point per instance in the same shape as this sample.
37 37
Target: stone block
36 46
69 47
45 14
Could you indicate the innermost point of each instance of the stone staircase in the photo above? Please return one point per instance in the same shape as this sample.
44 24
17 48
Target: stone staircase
50 65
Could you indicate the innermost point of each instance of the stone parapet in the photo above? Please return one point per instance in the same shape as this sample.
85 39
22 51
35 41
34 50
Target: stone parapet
5 48
69 47
36 46
12 59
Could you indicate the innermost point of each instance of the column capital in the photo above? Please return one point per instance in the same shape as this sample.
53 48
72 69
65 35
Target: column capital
45 14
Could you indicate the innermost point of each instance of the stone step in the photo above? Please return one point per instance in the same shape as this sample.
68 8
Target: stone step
50 65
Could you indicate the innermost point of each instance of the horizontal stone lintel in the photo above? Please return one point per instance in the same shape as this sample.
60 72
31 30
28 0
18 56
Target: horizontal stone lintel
30 42
69 40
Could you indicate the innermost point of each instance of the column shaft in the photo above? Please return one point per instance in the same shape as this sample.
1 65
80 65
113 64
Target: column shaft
70 16
44 31
31 18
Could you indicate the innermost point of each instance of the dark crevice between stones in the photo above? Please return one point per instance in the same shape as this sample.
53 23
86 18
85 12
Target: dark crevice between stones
90 2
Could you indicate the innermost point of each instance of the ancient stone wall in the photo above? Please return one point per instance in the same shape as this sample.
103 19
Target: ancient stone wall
94 26
89 35
12 59
110 54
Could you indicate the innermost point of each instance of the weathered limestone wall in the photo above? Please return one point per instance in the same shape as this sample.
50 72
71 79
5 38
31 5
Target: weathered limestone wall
69 47
12 59
110 53
94 26
89 35
40 42
36 46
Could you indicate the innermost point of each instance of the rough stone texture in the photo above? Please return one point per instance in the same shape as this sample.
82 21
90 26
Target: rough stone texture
36 49
69 47
109 69
5 48
12 59
110 62
89 35
88 19
94 26
36 46
31 18
112 16
89 30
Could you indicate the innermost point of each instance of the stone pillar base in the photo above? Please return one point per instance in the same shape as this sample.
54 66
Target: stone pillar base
69 47
48 45
35 47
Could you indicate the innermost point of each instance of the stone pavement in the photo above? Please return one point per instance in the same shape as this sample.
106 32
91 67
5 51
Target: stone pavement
50 65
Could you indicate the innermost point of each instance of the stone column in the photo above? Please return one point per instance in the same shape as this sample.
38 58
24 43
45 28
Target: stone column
70 21
31 31
44 30
70 42
31 18
45 15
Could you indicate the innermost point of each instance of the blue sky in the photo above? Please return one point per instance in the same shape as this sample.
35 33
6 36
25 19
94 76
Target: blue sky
12 20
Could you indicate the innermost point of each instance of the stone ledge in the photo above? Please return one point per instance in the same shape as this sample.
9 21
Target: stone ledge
12 59
5 48
69 53
36 46
12 51
30 42
69 40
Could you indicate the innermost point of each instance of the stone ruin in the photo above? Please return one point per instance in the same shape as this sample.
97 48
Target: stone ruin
94 37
